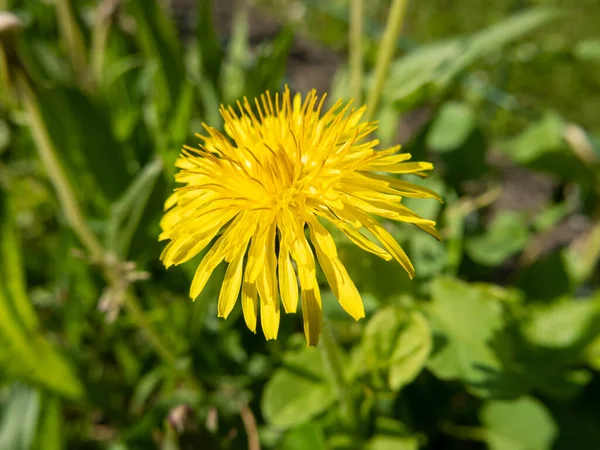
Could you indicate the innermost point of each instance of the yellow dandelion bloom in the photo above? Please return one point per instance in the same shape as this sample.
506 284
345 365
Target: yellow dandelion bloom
282 170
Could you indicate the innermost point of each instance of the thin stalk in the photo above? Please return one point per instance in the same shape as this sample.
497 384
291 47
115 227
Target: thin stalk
331 357
386 52
103 21
57 176
77 222
355 46
73 39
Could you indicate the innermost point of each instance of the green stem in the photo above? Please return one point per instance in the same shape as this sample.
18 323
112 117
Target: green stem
57 176
74 41
331 356
356 50
103 21
77 222
386 52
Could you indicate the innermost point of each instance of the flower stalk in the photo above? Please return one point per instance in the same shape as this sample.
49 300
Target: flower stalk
386 52
331 356
77 222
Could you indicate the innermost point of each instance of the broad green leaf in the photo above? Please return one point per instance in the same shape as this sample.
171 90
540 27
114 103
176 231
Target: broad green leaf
398 342
522 424
305 436
546 278
543 136
297 391
564 323
506 236
451 127
465 321
588 49
393 443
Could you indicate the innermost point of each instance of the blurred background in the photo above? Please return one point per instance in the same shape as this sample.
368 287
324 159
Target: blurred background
495 344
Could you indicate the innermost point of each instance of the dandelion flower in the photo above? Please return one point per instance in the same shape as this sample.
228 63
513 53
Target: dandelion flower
264 191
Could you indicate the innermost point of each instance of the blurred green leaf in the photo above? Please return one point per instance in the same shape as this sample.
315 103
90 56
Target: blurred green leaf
4 135
398 342
158 39
451 126
50 434
89 151
465 321
127 212
546 278
564 324
506 236
297 391
209 47
31 356
523 424
434 66
588 49
543 136
392 443
19 415
305 436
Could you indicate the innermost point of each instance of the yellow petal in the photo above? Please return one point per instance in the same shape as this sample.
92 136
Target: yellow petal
335 272
288 284
213 258
269 319
250 304
231 285
312 314
383 236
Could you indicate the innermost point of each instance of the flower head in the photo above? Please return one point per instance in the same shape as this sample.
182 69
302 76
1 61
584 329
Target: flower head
280 173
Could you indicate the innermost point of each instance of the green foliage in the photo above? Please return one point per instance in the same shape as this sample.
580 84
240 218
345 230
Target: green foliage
496 343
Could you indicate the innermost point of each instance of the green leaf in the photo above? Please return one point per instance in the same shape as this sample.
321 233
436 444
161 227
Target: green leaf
50 434
588 49
434 66
24 352
564 324
546 278
19 415
545 135
93 158
399 342
298 391
11 267
451 127
506 236
465 321
158 39
522 424
127 212
209 47
393 443
305 436
4 135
